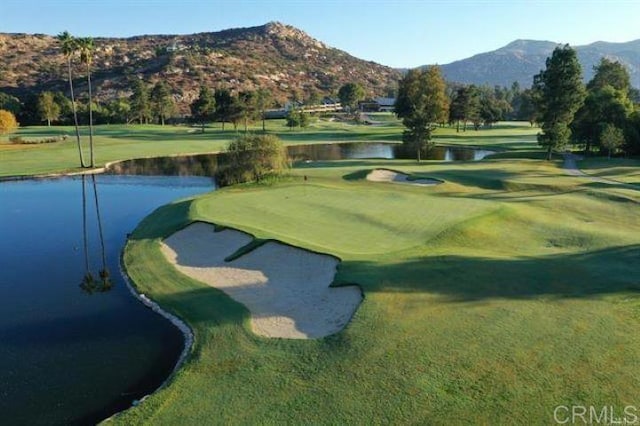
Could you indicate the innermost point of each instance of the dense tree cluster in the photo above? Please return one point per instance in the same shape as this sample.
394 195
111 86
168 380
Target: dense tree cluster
601 116
608 119
485 105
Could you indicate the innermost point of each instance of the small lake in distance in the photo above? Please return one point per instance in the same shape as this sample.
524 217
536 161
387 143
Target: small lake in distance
208 164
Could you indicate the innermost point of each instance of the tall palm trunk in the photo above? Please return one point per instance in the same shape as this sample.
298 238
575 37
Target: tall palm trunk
91 158
75 113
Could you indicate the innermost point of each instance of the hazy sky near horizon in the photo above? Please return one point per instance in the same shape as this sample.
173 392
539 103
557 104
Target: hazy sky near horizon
398 33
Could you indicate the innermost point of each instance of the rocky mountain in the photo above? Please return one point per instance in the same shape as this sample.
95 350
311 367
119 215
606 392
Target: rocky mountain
522 59
274 56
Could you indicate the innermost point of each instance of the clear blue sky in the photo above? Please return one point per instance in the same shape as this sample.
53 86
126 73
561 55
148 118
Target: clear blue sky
399 33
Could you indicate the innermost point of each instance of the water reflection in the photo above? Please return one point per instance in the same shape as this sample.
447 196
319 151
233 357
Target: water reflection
209 164
89 283
67 357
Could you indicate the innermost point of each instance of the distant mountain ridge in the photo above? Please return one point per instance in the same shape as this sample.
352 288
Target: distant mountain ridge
274 56
520 60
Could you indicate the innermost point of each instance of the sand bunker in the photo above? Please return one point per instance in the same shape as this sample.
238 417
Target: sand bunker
384 175
285 288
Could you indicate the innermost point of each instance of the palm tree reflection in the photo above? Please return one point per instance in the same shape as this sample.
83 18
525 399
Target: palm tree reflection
89 283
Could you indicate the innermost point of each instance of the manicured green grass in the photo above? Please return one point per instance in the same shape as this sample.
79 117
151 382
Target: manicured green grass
493 298
120 142
619 169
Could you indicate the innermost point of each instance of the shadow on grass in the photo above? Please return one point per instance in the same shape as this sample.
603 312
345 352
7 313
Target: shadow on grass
205 305
164 221
460 278
612 185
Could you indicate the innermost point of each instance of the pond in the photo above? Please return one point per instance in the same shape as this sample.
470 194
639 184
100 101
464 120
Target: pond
75 354
208 164
348 151
69 355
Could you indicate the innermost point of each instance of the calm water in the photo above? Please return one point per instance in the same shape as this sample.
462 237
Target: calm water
347 151
208 164
69 357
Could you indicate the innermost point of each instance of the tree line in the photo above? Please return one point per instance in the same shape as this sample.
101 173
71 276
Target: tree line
602 116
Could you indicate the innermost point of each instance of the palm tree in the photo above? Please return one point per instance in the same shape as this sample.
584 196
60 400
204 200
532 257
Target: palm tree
69 47
86 47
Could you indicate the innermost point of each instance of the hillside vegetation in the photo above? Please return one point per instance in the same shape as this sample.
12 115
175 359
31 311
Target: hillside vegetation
274 56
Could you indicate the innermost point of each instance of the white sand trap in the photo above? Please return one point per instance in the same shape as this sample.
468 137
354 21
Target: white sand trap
286 289
384 175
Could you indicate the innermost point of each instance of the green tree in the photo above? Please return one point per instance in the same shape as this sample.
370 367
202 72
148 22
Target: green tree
66 108
8 122
490 110
292 119
162 104
264 100
465 106
249 104
118 110
48 109
253 158
224 105
526 107
611 138
602 106
421 103
561 95
140 102
607 102
610 73
204 107
632 145
10 103
297 118
69 47
235 111
350 94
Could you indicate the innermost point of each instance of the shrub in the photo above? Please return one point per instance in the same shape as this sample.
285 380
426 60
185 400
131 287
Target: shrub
52 139
8 122
253 158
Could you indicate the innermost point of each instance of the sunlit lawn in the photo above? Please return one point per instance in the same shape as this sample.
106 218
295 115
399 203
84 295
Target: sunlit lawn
490 299
119 142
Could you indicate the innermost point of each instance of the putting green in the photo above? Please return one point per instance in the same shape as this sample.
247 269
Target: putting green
493 298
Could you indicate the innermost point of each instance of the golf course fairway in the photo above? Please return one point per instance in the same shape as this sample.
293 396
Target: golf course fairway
508 290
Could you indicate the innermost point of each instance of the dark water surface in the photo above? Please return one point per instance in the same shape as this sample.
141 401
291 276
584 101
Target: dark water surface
66 356
208 164
70 357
